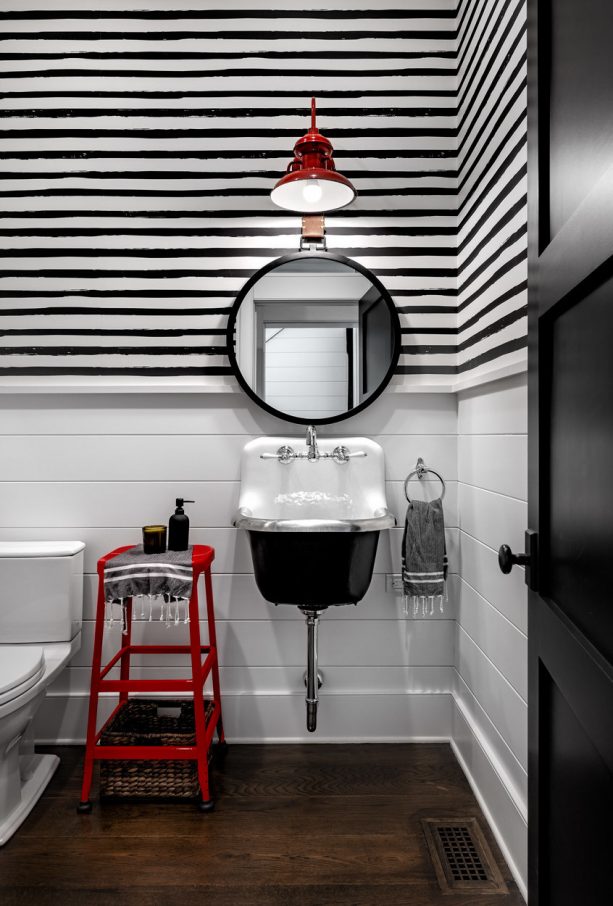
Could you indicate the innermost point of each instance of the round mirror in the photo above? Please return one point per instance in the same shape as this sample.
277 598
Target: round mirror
313 337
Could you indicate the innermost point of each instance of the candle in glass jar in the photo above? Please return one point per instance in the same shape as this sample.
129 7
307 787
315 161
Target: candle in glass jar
154 539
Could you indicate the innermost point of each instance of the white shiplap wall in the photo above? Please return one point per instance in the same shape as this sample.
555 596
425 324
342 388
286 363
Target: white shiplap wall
99 467
306 370
490 696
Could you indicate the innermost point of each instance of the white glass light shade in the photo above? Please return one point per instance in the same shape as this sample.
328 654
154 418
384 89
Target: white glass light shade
301 194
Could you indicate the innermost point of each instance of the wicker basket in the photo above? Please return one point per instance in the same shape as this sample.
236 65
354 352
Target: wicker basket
143 722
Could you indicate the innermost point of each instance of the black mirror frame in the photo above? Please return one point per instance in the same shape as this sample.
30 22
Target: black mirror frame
300 256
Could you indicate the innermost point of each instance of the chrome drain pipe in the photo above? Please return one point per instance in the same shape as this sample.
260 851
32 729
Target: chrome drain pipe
312 677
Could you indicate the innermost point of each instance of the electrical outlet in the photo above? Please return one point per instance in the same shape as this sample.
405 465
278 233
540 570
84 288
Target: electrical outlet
393 583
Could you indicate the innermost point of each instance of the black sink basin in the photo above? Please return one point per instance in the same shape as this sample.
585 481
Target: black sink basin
313 569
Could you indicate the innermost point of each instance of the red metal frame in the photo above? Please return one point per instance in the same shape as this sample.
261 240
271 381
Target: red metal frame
202 559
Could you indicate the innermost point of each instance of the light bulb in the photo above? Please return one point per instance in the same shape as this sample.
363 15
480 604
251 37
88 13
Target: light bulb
312 191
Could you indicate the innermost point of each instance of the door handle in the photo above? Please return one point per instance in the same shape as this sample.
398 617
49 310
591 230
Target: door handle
507 559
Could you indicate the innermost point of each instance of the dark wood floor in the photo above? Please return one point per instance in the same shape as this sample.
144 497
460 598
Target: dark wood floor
295 825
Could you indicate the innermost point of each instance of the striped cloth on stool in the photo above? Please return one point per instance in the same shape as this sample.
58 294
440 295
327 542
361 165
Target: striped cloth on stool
135 573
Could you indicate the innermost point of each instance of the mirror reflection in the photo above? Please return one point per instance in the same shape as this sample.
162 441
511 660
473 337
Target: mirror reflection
314 338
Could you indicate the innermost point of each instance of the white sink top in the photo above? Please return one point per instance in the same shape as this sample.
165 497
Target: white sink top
323 493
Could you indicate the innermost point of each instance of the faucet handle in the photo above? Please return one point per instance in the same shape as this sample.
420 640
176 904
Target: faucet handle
283 454
342 454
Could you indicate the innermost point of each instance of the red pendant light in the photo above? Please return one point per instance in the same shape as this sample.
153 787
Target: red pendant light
312 184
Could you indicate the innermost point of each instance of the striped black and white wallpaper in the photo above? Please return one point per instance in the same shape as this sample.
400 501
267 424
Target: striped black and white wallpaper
140 141
492 214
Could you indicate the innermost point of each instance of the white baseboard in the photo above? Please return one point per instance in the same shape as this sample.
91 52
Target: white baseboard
274 718
502 812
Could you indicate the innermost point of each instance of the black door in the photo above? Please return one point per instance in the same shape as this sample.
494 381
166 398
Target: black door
571 452
376 340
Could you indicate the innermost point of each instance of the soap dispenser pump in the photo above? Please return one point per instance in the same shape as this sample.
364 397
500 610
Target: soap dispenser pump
178 527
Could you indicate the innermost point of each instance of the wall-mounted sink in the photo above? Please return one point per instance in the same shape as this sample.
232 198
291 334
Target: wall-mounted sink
313 523
313 513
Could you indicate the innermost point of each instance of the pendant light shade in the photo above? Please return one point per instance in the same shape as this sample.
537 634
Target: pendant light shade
312 185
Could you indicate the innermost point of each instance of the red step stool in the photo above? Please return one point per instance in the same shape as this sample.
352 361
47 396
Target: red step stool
202 558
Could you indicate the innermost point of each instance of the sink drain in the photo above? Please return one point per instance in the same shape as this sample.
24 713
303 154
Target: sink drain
461 856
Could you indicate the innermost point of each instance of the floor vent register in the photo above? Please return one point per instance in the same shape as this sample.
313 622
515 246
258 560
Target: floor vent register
461 856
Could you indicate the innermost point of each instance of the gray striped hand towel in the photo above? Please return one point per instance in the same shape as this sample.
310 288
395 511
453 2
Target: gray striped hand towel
424 556
136 573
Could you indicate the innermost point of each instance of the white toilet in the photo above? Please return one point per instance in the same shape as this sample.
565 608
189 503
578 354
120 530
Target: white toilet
41 606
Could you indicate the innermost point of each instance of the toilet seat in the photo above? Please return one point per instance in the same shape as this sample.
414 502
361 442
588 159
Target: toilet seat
21 667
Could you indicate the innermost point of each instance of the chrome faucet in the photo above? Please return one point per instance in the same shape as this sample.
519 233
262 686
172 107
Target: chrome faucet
311 442
287 454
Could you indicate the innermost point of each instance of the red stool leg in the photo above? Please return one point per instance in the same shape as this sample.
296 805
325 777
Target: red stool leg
126 641
213 642
85 805
206 803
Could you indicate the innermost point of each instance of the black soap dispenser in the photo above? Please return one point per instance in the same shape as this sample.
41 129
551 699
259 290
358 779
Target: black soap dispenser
178 527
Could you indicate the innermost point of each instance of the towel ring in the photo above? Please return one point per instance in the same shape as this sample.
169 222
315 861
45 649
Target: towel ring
421 469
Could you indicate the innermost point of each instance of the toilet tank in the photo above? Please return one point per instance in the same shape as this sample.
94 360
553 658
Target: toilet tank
41 591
